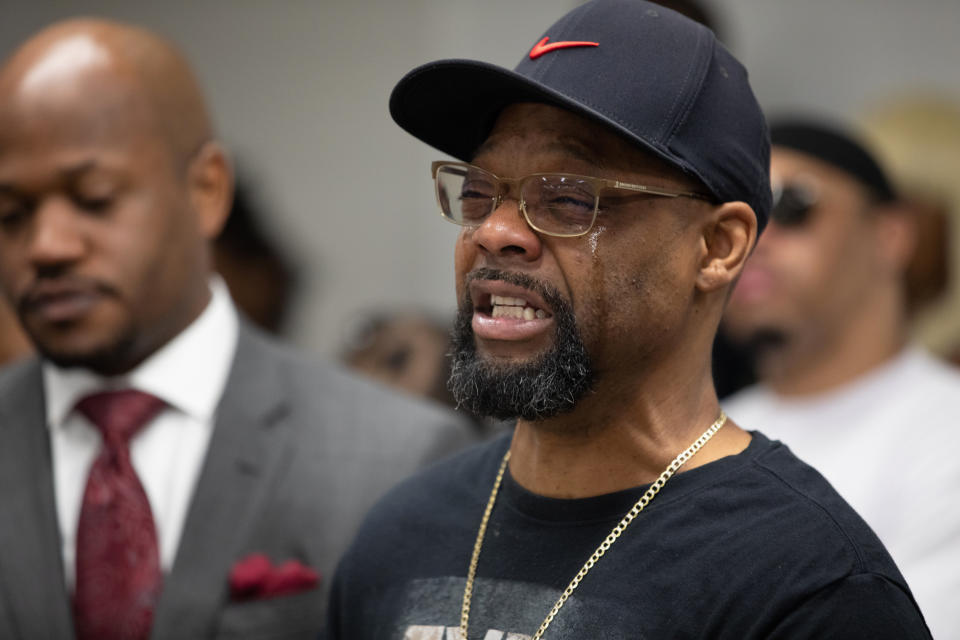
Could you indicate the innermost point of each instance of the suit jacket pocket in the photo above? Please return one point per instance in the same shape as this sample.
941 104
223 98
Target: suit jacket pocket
281 618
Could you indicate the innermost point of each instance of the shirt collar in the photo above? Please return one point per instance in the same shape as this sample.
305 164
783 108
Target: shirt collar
189 372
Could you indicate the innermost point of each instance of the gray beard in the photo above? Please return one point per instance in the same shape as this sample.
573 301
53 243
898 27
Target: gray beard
549 385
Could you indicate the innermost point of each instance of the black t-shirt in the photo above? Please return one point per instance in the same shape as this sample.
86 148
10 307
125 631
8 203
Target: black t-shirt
756 545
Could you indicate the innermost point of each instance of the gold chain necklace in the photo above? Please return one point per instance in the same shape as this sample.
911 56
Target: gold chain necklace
644 500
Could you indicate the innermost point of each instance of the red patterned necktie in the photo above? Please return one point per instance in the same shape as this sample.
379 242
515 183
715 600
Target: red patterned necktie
118 562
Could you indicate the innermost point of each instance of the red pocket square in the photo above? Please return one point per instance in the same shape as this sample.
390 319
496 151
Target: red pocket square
254 577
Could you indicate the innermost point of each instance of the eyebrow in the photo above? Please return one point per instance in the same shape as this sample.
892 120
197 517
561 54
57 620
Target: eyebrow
69 173
575 148
78 169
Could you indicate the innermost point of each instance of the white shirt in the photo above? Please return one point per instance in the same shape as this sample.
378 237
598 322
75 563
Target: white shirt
189 373
889 442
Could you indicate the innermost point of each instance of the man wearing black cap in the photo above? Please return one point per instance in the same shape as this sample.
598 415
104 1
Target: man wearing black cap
609 189
823 303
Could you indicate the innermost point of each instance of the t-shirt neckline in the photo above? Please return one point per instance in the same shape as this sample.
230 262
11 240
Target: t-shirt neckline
613 506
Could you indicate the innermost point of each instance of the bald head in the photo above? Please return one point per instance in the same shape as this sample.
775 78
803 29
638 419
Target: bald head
111 189
125 76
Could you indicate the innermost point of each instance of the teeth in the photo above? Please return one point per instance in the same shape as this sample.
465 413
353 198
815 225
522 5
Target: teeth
519 313
509 307
508 301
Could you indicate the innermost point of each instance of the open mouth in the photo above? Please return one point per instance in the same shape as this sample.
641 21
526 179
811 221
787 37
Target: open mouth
509 319
497 306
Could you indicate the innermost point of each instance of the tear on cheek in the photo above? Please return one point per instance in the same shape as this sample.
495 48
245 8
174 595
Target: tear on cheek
594 238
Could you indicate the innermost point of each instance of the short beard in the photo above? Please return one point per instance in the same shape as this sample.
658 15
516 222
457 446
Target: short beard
765 341
114 358
550 385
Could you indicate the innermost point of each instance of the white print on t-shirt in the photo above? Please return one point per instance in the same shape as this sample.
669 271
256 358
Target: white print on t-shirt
422 632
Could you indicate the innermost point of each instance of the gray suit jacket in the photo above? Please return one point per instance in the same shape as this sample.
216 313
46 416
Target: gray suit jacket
299 453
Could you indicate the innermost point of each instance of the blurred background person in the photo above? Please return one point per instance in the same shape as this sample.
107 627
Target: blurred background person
823 305
917 136
698 11
260 274
407 350
166 469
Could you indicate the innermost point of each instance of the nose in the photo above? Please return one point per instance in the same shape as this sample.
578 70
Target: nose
56 236
506 234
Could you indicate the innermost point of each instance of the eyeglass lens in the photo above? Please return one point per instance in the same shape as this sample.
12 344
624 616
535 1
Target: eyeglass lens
554 204
792 205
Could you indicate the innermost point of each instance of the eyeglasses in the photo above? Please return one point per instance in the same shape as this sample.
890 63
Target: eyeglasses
793 203
556 204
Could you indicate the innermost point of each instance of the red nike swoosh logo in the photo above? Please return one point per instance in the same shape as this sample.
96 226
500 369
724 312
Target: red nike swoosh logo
542 47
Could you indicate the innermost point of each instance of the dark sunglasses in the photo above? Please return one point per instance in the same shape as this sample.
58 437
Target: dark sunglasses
792 203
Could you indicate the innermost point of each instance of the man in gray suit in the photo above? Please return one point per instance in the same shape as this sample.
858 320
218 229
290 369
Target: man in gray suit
165 470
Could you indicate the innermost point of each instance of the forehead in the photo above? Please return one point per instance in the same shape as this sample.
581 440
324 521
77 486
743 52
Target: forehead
541 134
40 148
43 112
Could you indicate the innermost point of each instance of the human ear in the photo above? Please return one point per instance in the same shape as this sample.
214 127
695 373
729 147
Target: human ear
210 183
896 236
728 237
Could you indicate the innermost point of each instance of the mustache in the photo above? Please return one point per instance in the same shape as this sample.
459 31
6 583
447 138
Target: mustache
549 293
45 288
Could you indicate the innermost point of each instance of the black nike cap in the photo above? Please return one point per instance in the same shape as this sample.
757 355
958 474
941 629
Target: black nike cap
657 78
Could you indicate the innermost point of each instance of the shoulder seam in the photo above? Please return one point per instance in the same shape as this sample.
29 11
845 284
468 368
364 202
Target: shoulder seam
861 563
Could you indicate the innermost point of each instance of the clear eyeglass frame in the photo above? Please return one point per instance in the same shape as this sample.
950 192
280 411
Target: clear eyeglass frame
597 185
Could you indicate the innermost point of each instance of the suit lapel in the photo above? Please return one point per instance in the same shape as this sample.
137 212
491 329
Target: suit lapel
245 451
31 564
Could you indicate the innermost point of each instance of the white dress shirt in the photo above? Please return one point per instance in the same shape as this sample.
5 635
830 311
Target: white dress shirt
189 373
888 443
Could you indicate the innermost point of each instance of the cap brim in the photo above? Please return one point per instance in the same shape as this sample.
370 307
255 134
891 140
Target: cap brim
452 105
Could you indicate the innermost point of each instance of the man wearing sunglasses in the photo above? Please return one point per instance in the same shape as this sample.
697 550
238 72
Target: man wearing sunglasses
822 302
608 191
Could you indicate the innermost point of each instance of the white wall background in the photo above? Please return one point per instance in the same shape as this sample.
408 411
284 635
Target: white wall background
299 90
